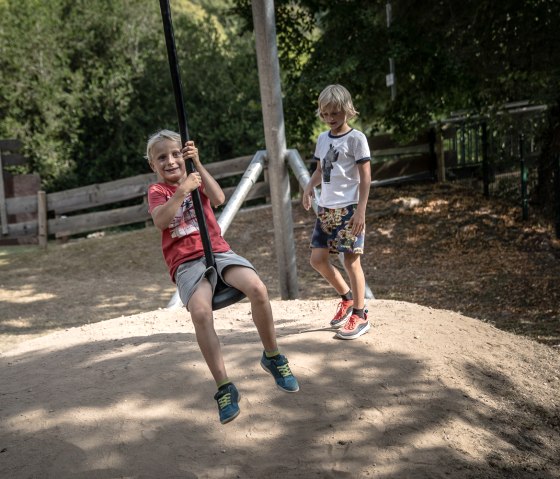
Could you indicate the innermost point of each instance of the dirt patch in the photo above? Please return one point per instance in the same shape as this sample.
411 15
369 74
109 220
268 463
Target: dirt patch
99 380
445 247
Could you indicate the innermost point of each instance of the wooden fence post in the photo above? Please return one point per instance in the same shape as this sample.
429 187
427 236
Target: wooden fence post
440 154
42 222
3 211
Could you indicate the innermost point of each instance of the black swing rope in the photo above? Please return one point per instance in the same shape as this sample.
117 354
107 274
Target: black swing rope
223 295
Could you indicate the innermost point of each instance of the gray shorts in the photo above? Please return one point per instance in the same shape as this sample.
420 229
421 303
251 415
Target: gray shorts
190 274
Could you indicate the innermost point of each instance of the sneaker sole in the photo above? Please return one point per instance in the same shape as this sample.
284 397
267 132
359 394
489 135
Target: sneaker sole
281 388
341 322
364 330
228 420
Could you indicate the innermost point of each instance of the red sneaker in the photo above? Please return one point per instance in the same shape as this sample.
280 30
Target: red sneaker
354 328
343 312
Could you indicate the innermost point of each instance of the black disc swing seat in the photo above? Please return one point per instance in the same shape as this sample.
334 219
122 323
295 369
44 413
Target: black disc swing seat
224 295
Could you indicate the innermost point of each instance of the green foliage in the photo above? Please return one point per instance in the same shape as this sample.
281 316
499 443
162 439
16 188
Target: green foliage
84 83
473 56
449 55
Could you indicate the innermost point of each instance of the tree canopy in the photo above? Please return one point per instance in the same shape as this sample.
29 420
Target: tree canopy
83 83
469 55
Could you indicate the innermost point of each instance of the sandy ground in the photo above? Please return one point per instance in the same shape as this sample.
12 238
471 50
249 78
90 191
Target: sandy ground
425 394
99 381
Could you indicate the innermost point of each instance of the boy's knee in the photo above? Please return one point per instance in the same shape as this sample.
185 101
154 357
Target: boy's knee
316 263
322 265
200 314
257 291
351 261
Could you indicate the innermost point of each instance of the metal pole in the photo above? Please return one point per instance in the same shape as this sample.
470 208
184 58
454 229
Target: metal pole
556 159
463 149
523 166
432 138
390 79
440 156
273 119
182 118
248 180
485 164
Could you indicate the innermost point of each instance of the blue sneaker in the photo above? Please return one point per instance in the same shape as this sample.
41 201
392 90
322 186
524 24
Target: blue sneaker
228 398
281 372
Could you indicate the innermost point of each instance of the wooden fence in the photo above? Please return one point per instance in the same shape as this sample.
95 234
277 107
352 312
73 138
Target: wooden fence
33 217
30 216
13 188
421 159
67 213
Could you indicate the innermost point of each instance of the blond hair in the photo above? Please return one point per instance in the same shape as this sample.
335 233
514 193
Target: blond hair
160 136
338 97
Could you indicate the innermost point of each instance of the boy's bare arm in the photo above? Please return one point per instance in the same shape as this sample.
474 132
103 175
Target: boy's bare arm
358 220
212 189
365 184
314 181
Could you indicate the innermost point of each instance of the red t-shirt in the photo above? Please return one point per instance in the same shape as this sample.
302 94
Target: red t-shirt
181 240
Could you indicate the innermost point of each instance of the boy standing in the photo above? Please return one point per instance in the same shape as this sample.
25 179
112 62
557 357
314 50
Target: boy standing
344 173
171 207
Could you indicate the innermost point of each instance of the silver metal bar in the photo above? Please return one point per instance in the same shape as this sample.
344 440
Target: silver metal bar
302 173
247 181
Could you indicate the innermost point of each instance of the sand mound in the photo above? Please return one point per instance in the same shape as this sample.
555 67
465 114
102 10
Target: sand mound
425 394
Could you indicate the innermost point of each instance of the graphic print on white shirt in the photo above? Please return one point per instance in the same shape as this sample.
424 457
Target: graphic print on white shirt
184 222
327 163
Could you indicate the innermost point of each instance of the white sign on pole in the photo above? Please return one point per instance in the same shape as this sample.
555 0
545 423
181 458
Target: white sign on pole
390 79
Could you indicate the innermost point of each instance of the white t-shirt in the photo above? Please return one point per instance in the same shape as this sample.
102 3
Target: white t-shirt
339 157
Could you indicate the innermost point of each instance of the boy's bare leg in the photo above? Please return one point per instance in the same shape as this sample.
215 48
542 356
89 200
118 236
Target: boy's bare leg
200 307
274 363
249 283
319 260
357 278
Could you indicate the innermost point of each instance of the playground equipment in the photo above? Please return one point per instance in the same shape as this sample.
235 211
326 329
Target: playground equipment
249 178
224 295
273 119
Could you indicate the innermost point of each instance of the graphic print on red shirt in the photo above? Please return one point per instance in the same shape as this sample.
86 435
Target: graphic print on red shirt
181 241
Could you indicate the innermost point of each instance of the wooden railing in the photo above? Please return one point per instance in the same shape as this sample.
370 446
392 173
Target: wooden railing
65 213
34 218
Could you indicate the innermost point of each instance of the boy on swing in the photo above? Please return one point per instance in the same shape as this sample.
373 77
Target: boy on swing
171 207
